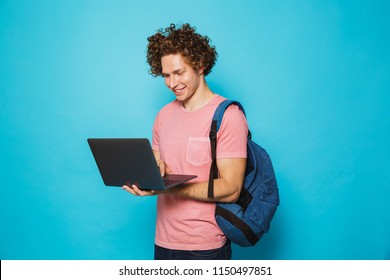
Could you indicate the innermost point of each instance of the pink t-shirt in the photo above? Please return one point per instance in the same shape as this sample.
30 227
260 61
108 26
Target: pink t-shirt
182 138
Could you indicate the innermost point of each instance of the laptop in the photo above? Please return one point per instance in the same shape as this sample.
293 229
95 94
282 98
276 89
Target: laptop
131 161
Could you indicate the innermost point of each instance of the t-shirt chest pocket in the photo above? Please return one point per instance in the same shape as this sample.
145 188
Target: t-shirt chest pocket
198 151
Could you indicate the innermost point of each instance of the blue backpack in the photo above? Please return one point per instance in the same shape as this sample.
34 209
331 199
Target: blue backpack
246 220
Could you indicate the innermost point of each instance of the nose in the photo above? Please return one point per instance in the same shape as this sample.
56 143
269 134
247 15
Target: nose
172 82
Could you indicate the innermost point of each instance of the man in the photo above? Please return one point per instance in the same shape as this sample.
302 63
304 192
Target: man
186 227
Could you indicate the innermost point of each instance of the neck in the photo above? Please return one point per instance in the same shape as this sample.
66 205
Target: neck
201 97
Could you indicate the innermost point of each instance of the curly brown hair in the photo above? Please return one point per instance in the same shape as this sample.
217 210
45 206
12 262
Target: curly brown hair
184 40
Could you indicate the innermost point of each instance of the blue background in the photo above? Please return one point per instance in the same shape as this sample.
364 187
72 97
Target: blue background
312 75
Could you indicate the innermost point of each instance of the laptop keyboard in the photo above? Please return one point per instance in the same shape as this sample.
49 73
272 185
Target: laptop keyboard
168 182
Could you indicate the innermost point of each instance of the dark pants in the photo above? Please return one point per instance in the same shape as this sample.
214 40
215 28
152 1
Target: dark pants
223 253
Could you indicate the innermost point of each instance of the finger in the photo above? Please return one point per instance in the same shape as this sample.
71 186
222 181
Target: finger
157 192
161 166
140 192
129 189
134 190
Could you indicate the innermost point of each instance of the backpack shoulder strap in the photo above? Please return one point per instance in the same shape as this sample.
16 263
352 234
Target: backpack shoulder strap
215 125
218 114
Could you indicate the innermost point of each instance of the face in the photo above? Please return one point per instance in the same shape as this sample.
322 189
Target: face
180 77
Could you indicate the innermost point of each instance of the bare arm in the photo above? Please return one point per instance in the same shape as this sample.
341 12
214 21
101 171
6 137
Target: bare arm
227 187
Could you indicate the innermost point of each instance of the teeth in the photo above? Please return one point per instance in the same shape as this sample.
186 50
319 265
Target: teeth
179 90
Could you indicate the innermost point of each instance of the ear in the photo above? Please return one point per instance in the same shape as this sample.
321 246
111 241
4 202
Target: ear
201 71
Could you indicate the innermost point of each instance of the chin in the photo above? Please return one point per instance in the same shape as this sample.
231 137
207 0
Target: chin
180 97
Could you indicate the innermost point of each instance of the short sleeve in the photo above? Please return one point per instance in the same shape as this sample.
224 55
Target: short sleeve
232 136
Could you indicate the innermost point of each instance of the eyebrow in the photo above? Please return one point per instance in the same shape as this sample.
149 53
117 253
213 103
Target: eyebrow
174 71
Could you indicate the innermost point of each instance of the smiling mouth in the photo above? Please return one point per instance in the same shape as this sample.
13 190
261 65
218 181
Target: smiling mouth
178 90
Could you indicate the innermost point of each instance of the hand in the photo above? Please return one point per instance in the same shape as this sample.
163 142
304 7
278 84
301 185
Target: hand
164 169
133 189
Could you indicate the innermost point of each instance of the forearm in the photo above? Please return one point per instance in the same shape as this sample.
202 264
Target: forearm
223 191
227 187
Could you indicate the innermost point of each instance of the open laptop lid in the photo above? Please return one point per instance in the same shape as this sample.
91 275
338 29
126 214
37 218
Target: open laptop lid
130 161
